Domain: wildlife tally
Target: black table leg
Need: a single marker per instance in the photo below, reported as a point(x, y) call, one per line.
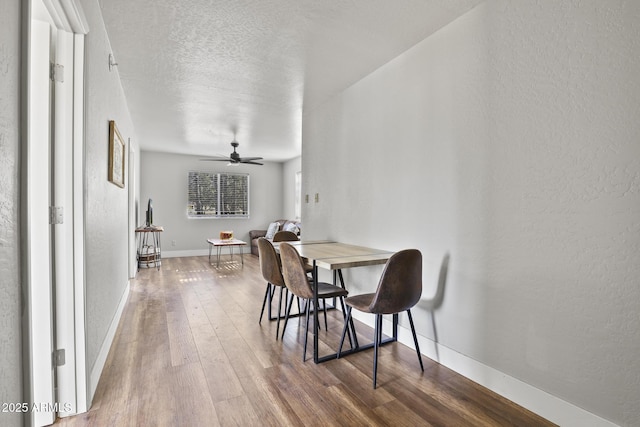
point(315, 312)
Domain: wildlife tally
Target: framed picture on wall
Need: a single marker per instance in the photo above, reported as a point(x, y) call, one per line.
point(116, 155)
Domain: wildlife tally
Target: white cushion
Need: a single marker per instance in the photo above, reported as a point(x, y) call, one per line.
point(292, 227)
point(272, 230)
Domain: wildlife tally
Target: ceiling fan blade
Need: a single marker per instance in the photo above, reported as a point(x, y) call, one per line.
point(234, 158)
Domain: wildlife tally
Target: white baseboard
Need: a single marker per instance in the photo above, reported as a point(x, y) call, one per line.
point(203, 252)
point(179, 254)
point(538, 401)
point(98, 366)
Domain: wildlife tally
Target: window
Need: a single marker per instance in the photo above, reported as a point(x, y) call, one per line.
point(298, 195)
point(218, 195)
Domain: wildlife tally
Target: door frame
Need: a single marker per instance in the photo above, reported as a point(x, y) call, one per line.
point(67, 19)
point(38, 384)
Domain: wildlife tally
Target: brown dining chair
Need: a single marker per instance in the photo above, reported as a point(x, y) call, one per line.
point(290, 236)
point(272, 273)
point(297, 282)
point(285, 236)
point(399, 289)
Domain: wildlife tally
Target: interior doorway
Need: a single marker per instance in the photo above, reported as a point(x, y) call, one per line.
point(53, 227)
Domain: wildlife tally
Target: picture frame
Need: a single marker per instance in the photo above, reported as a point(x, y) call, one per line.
point(116, 155)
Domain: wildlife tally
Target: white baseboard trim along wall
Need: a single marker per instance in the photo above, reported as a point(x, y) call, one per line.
point(179, 254)
point(538, 401)
point(98, 366)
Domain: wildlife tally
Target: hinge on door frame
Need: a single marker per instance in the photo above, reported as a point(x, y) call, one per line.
point(55, 215)
point(58, 357)
point(56, 72)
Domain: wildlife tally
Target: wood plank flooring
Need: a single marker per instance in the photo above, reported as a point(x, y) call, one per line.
point(189, 352)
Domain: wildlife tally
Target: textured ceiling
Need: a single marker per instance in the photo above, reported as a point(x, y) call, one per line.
point(197, 72)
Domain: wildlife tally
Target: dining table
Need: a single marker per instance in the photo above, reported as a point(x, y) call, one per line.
point(336, 256)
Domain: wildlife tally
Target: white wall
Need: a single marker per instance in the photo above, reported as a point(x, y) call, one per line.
point(291, 167)
point(10, 295)
point(164, 180)
point(106, 205)
point(509, 141)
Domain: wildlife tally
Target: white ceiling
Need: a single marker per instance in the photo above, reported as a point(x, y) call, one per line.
point(197, 72)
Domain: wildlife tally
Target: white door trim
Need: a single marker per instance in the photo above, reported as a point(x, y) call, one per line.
point(67, 15)
point(65, 21)
point(38, 328)
point(133, 257)
point(82, 388)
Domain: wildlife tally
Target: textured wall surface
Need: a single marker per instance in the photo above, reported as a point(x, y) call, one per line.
point(10, 322)
point(508, 140)
point(106, 205)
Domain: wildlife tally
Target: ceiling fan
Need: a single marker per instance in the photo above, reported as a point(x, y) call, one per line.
point(234, 158)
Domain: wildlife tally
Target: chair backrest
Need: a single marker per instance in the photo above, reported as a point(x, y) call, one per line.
point(285, 236)
point(293, 272)
point(400, 285)
point(269, 263)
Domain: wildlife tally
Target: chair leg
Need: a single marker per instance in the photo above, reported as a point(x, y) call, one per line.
point(415, 339)
point(272, 290)
point(376, 344)
point(315, 315)
point(279, 311)
point(344, 329)
point(286, 317)
point(267, 295)
point(286, 296)
point(306, 332)
point(353, 333)
point(324, 308)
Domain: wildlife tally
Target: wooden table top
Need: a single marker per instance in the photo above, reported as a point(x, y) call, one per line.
point(335, 255)
point(150, 229)
point(226, 242)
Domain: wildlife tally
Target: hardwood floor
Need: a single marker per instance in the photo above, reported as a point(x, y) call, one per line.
point(189, 352)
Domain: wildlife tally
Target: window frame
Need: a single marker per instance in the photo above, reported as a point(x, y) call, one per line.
point(297, 197)
point(216, 181)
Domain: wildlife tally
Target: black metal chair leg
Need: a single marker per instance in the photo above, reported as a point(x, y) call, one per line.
point(376, 344)
point(279, 311)
point(264, 301)
point(315, 315)
point(415, 339)
point(286, 295)
point(270, 301)
point(286, 317)
point(353, 332)
point(324, 308)
point(306, 333)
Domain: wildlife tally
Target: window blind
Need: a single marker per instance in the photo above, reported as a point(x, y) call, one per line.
point(217, 195)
